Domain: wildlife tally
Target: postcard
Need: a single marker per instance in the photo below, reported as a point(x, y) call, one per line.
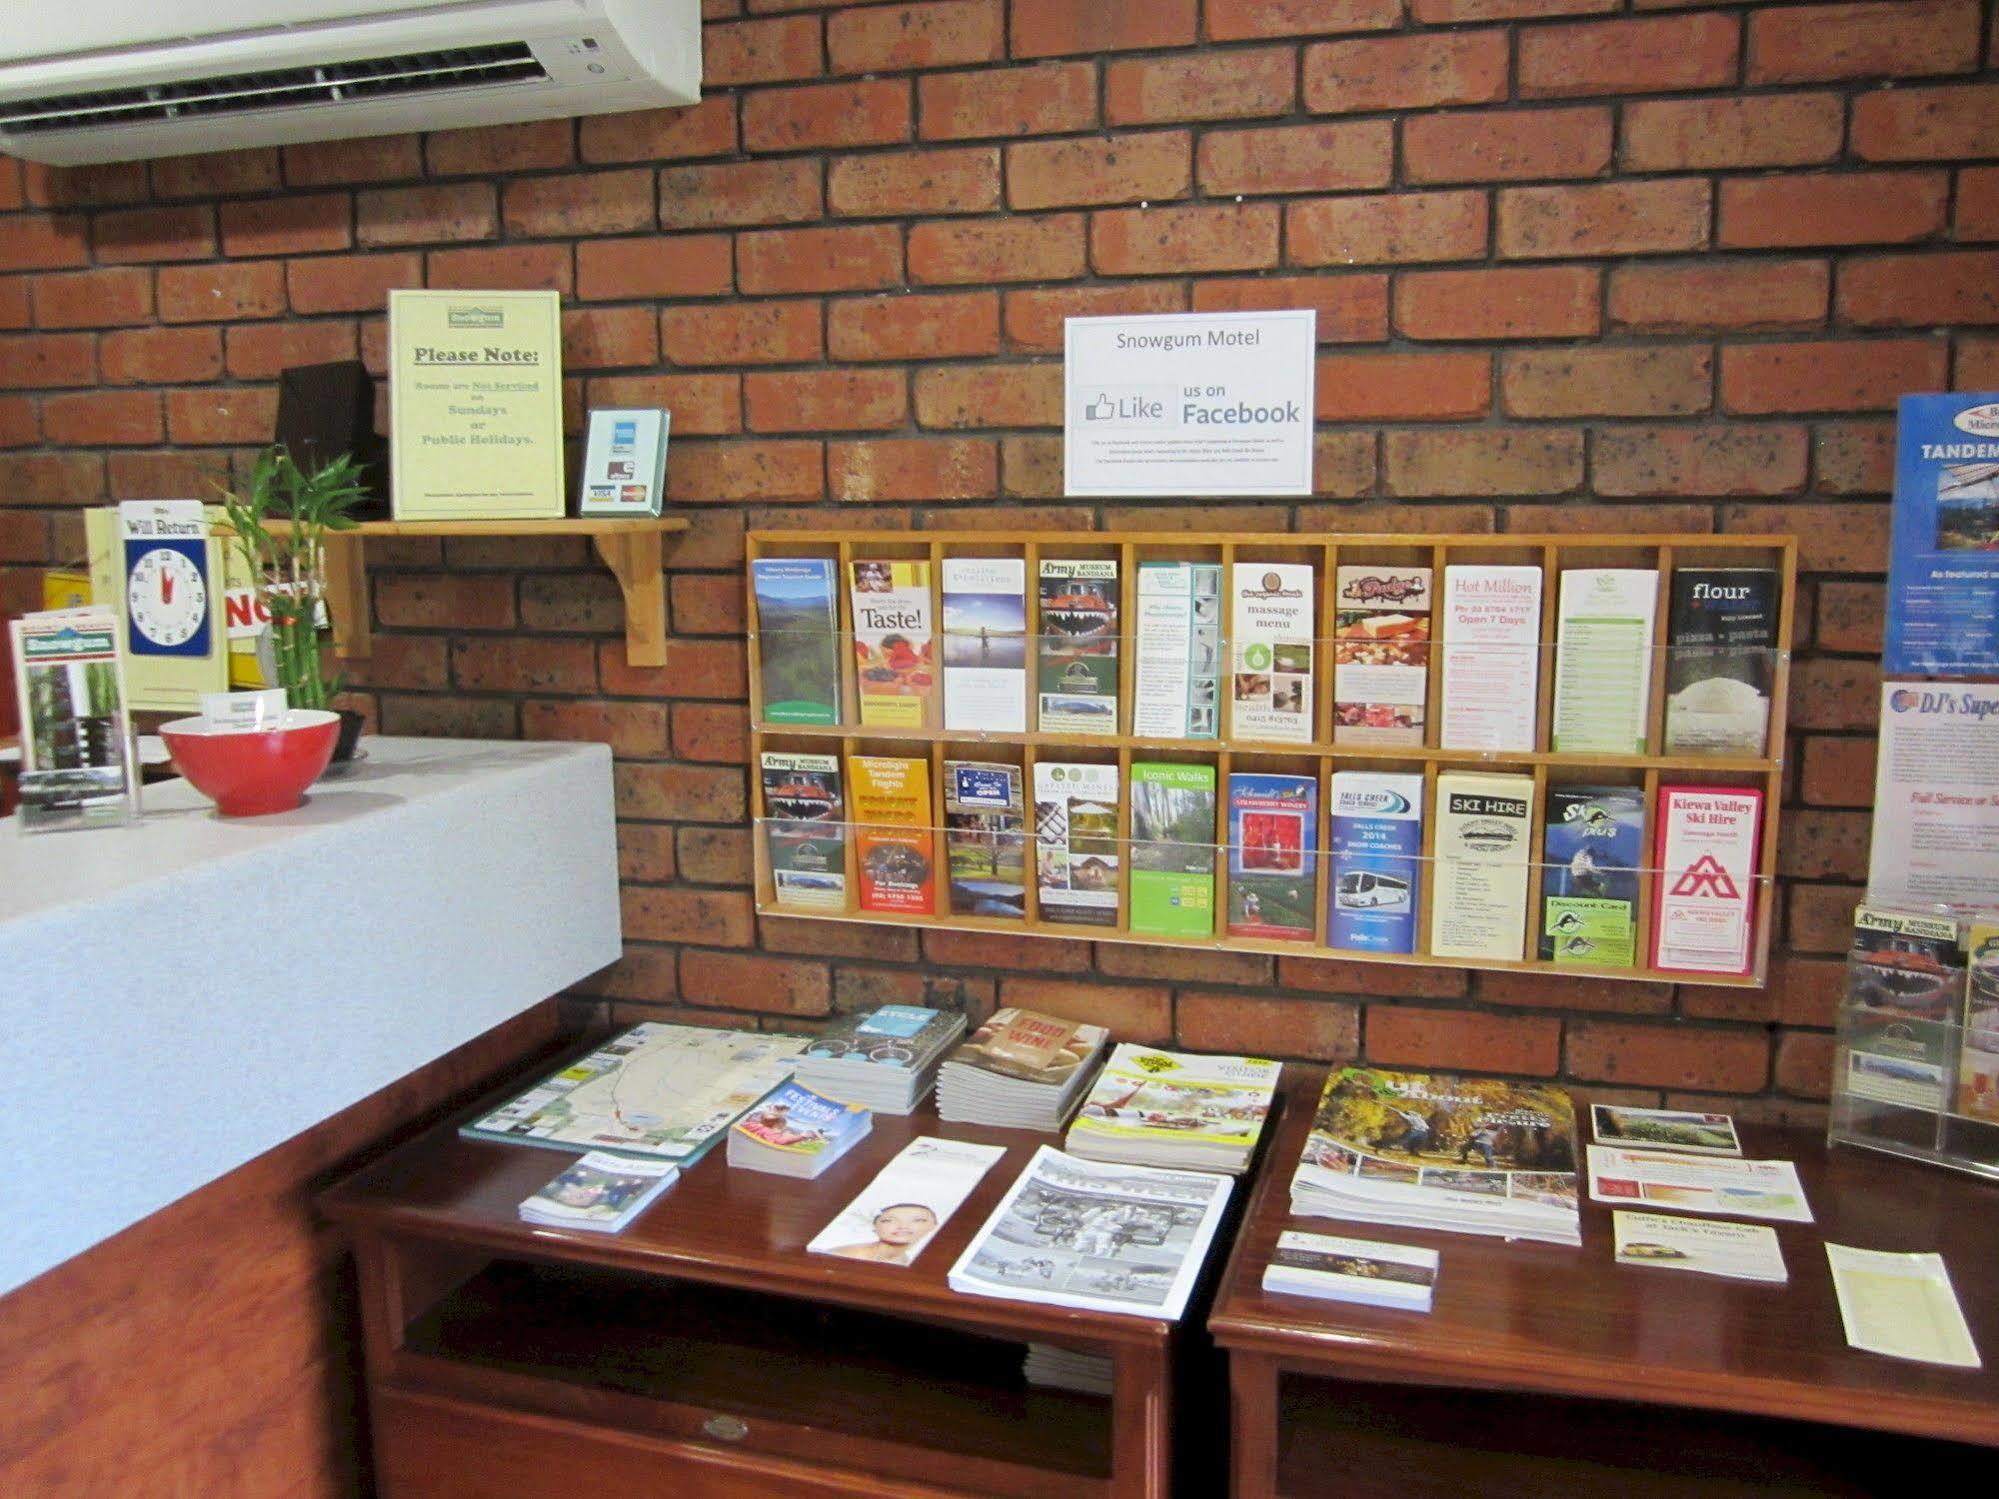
point(1665, 1129)
point(1740, 1251)
point(1697, 1184)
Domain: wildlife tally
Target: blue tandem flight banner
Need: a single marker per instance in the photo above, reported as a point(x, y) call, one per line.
point(1943, 569)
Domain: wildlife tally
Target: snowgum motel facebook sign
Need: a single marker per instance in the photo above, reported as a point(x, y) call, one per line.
point(1189, 404)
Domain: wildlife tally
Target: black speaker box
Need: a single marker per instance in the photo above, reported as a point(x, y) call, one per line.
point(325, 410)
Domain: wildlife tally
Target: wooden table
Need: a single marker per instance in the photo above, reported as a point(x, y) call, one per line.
point(1547, 1369)
point(702, 1353)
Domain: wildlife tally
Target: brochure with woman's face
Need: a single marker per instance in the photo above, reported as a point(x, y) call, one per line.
point(899, 1212)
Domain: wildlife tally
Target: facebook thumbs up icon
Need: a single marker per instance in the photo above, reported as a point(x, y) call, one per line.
point(1100, 410)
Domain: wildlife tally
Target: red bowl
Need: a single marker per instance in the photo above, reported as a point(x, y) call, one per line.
point(249, 772)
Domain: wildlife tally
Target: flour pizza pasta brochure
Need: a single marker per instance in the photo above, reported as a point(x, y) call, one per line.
point(898, 1213)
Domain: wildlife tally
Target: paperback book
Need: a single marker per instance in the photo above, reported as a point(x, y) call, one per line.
point(1076, 853)
point(985, 838)
point(600, 1192)
point(1381, 654)
point(985, 644)
point(798, 639)
point(1273, 856)
point(1377, 838)
point(1173, 850)
point(893, 660)
point(1168, 1108)
point(1603, 659)
point(1484, 836)
point(794, 1131)
point(1905, 980)
point(892, 834)
point(885, 1059)
point(898, 1213)
point(1176, 692)
point(1721, 656)
point(1076, 665)
point(1272, 621)
point(1704, 901)
point(1365, 1271)
point(78, 764)
point(1492, 657)
point(1593, 843)
point(805, 823)
point(1021, 1068)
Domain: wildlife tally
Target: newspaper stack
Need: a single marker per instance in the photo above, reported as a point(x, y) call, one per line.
point(1021, 1069)
point(885, 1060)
point(796, 1132)
point(601, 1192)
point(1055, 1368)
point(1167, 1108)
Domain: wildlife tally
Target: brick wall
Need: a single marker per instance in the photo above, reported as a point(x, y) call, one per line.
point(1644, 264)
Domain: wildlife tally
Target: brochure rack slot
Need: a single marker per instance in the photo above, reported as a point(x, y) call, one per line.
point(1649, 769)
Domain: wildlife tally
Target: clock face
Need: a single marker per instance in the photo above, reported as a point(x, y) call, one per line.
point(167, 597)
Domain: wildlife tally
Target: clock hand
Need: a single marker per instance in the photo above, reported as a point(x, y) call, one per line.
point(166, 587)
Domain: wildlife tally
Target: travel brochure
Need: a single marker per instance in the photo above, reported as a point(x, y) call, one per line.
point(1271, 627)
point(806, 828)
point(894, 665)
point(1483, 841)
point(1381, 655)
point(892, 834)
point(1376, 880)
point(1364, 1271)
point(1603, 660)
point(1169, 1108)
point(1697, 1184)
point(985, 644)
point(1273, 856)
point(1020, 1069)
point(78, 764)
point(1076, 855)
point(600, 1192)
point(884, 1059)
point(1593, 845)
point(985, 838)
point(1173, 850)
point(1704, 895)
point(798, 639)
point(795, 1131)
point(1943, 568)
point(1176, 687)
point(1491, 622)
point(898, 1213)
point(1076, 662)
point(1736, 1251)
point(1721, 660)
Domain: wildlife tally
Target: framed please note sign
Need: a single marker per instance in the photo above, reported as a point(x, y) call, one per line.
point(475, 391)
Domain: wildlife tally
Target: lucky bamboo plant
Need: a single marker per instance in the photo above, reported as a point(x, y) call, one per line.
point(279, 526)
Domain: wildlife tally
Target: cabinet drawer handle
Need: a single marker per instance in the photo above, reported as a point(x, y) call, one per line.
point(725, 1428)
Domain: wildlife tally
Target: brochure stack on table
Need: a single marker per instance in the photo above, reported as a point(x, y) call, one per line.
point(1164, 1108)
point(885, 1060)
point(1021, 1069)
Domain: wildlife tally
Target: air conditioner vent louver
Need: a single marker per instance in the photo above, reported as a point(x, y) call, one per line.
point(283, 88)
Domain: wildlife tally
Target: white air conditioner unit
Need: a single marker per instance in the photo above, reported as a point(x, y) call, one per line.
point(120, 80)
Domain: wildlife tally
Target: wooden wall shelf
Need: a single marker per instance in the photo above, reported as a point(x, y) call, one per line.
point(1552, 553)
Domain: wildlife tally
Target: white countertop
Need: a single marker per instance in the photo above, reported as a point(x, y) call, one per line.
point(182, 995)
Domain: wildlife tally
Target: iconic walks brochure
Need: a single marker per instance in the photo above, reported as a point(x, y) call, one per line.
point(1665, 1129)
point(659, 1090)
point(1020, 1069)
point(1176, 693)
point(1978, 1067)
point(1076, 660)
point(1076, 843)
point(624, 463)
point(1593, 844)
point(1603, 659)
point(1428, 1150)
point(1377, 836)
point(793, 1131)
point(1381, 654)
point(1721, 658)
point(1943, 567)
point(884, 1059)
point(1905, 979)
point(78, 768)
point(1901, 1305)
point(985, 644)
point(1273, 856)
point(1491, 627)
point(807, 828)
point(892, 833)
point(601, 1192)
point(1173, 850)
point(1271, 623)
point(898, 1213)
point(985, 838)
point(1169, 1108)
point(1484, 834)
point(1697, 1184)
point(1740, 1251)
point(1704, 906)
point(893, 660)
point(1361, 1270)
point(1096, 1236)
point(798, 639)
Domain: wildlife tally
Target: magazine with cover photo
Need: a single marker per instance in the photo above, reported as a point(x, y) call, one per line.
point(1169, 1108)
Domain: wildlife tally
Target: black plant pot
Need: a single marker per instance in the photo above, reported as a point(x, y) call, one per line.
point(350, 734)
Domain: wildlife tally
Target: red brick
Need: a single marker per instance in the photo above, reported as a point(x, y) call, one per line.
point(645, 849)
point(580, 204)
point(1977, 216)
point(1507, 145)
point(1648, 56)
point(506, 268)
point(1406, 72)
point(1841, 376)
point(381, 158)
point(838, 939)
point(1329, 157)
point(854, 257)
point(1387, 229)
point(161, 356)
point(1668, 1056)
point(912, 469)
point(1341, 976)
point(1756, 130)
point(91, 186)
point(1034, 317)
point(1134, 960)
point(427, 215)
point(821, 115)
point(94, 299)
point(719, 918)
point(821, 400)
point(288, 224)
point(1821, 845)
point(1233, 85)
point(1839, 772)
point(46, 361)
point(136, 476)
point(938, 34)
point(739, 192)
point(711, 472)
point(1505, 461)
point(702, 405)
point(1045, 99)
point(1351, 309)
point(1652, 381)
point(1132, 168)
point(682, 793)
point(1854, 457)
point(682, 265)
point(1707, 460)
point(1175, 241)
point(1848, 208)
point(1819, 918)
point(1922, 124)
point(1403, 387)
point(771, 51)
point(1453, 1040)
point(1804, 1063)
point(1900, 40)
point(1571, 518)
point(1702, 295)
point(43, 241)
point(738, 332)
point(24, 536)
point(1611, 218)
point(1799, 991)
point(152, 236)
point(946, 325)
point(1851, 538)
point(66, 479)
point(445, 601)
point(1320, 1030)
point(894, 184)
point(1246, 20)
point(744, 981)
point(1141, 1013)
point(103, 418)
point(1048, 248)
point(603, 338)
point(350, 283)
point(1977, 364)
point(246, 416)
point(1343, 463)
point(1050, 28)
point(1901, 291)
point(707, 604)
point(484, 149)
point(1514, 302)
point(704, 129)
point(501, 663)
point(1008, 395)
point(406, 661)
point(215, 174)
point(718, 732)
point(1445, 12)
point(1006, 951)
